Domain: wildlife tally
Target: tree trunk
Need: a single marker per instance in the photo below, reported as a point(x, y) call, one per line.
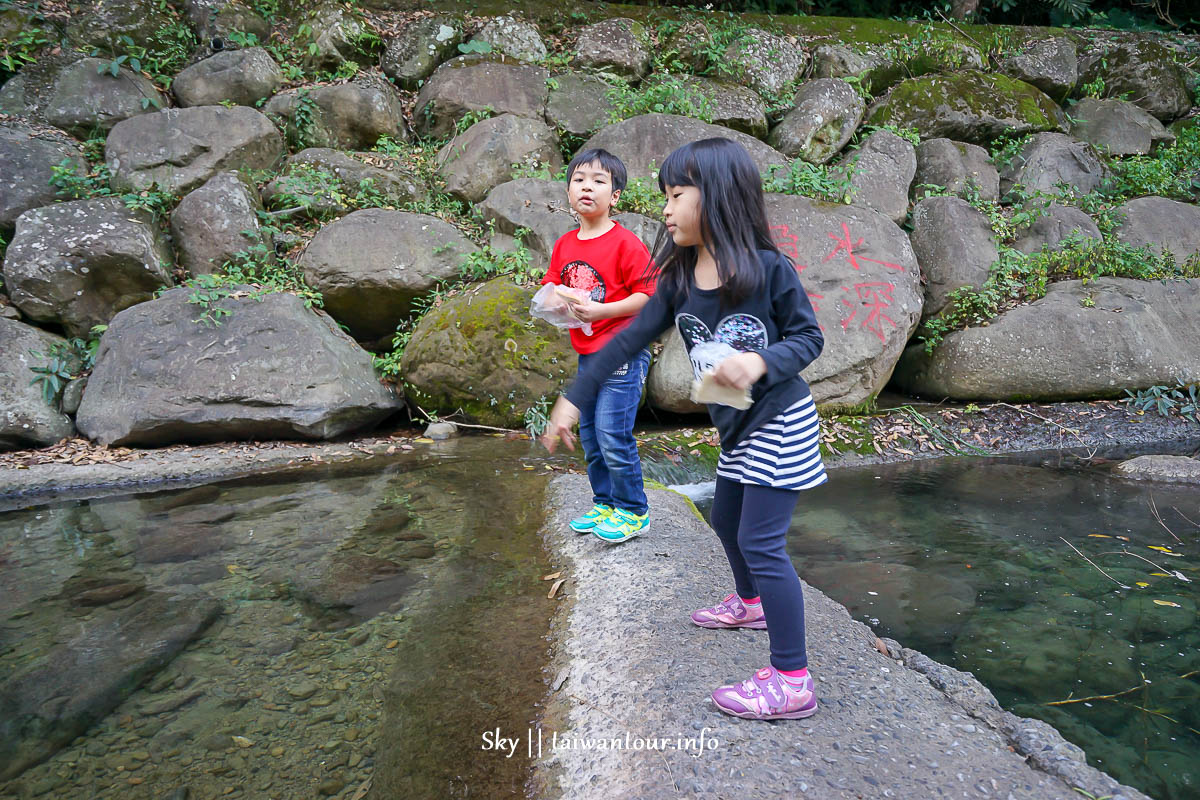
point(963, 9)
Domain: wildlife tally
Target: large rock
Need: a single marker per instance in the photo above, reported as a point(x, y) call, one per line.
point(349, 116)
point(468, 84)
point(688, 46)
point(1054, 226)
point(29, 155)
point(1163, 468)
point(512, 37)
point(332, 35)
point(619, 45)
point(767, 63)
point(539, 206)
point(214, 223)
point(272, 369)
point(578, 103)
point(1051, 65)
point(969, 106)
point(68, 672)
point(1117, 127)
point(880, 172)
point(371, 265)
point(324, 182)
point(1144, 70)
point(1050, 161)
point(180, 149)
point(219, 18)
point(649, 138)
point(103, 23)
point(414, 53)
point(959, 168)
point(481, 351)
point(77, 264)
point(826, 113)
point(1059, 348)
point(242, 77)
point(669, 382)
point(727, 104)
point(26, 419)
point(1164, 225)
point(483, 156)
point(874, 68)
point(954, 245)
point(85, 98)
point(862, 277)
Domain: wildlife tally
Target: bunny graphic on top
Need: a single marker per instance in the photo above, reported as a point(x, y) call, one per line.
point(737, 333)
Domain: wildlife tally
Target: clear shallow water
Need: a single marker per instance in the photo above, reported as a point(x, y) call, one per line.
point(965, 560)
point(352, 627)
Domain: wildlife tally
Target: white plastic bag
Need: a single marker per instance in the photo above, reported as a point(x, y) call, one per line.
point(550, 304)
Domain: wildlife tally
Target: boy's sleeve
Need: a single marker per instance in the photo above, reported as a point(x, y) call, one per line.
point(800, 337)
point(554, 271)
point(654, 318)
point(636, 263)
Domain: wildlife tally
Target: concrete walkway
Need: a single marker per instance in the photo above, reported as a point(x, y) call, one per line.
point(630, 667)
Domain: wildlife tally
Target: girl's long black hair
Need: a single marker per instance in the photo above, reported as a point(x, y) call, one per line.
point(733, 218)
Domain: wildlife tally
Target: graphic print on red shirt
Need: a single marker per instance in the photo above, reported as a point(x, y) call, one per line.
point(610, 267)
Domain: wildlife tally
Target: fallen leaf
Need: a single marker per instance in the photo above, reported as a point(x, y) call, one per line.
point(1099, 536)
point(554, 588)
point(1142, 584)
point(423, 440)
point(552, 576)
point(1167, 603)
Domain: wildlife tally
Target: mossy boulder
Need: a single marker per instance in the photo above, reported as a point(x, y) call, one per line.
point(578, 103)
point(824, 116)
point(1143, 69)
point(768, 64)
point(480, 351)
point(1051, 65)
point(102, 23)
point(621, 46)
point(968, 106)
point(414, 53)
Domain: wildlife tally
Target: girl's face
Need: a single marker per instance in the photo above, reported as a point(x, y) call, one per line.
point(682, 215)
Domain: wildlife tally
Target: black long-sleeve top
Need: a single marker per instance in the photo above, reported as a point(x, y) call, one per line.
point(777, 322)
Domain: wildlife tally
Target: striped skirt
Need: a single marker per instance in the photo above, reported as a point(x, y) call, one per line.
point(784, 453)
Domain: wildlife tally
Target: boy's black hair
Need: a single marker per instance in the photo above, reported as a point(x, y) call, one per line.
point(733, 218)
point(607, 161)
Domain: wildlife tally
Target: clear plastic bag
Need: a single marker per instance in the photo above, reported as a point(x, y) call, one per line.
point(550, 304)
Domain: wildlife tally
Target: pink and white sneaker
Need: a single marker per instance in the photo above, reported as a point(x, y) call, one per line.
point(767, 695)
point(730, 613)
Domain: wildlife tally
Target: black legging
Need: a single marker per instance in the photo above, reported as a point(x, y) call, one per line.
point(752, 522)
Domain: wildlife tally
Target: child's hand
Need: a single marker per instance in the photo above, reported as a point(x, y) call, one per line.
point(588, 311)
point(740, 371)
point(563, 417)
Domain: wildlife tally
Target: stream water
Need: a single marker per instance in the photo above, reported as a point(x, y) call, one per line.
point(352, 632)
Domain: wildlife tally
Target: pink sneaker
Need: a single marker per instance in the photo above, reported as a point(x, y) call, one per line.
point(766, 695)
point(730, 613)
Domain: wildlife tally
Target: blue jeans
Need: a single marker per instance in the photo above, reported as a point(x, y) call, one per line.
point(613, 466)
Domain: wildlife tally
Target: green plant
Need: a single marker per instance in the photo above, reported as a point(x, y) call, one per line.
point(810, 180)
point(668, 95)
point(22, 49)
point(310, 186)
point(388, 364)
point(471, 117)
point(487, 263)
point(910, 135)
point(65, 361)
point(304, 118)
point(71, 185)
point(1182, 399)
point(641, 196)
point(537, 417)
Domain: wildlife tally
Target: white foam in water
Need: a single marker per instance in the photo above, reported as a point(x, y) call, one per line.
point(696, 492)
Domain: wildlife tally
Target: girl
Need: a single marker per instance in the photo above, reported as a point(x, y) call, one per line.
point(739, 306)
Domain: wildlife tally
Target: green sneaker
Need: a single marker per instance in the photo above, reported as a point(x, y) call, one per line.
point(588, 522)
point(621, 525)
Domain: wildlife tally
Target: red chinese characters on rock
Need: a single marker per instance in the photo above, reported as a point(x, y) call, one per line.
point(872, 297)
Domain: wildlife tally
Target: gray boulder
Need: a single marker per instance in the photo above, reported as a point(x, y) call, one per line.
point(1049, 161)
point(322, 182)
point(335, 35)
point(482, 157)
point(1162, 225)
point(578, 103)
point(726, 104)
point(512, 37)
point(954, 245)
point(669, 382)
point(12, 97)
point(239, 76)
point(347, 116)
point(1061, 348)
point(619, 45)
point(370, 265)
point(29, 155)
point(180, 149)
point(688, 47)
point(26, 419)
point(880, 172)
point(1051, 65)
point(102, 23)
point(1117, 127)
point(1145, 70)
point(960, 168)
point(214, 223)
point(272, 369)
point(84, 99)
point(414, 53)
point(539, 206)
point(468, 84)
point(1161, 468)
point(77, 264)
point(768, 64)
point(874, 69)
point(862, 277)
point(219, 18)
point(826, 113)
point(968, 106)
point(1049, 230)
point(649, 138)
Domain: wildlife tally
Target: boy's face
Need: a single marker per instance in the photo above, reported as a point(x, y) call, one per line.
point(590, 192)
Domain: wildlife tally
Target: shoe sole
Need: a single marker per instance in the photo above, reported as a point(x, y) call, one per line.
point(625, 538)
point(581, 530)
point(758, 624)
point(803, 713)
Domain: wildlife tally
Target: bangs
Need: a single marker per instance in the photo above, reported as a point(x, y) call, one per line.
point(679, 169)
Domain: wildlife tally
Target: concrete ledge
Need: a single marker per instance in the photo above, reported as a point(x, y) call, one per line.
point(631, 668)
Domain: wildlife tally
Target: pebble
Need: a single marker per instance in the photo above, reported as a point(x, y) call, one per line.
point(303, 690)
point(331, 787)
point(277, 751)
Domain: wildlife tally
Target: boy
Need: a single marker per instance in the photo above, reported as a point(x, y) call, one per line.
point(610, 263)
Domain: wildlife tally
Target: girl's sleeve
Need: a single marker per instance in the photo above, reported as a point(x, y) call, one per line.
point(800, 337)
point(654, 318)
